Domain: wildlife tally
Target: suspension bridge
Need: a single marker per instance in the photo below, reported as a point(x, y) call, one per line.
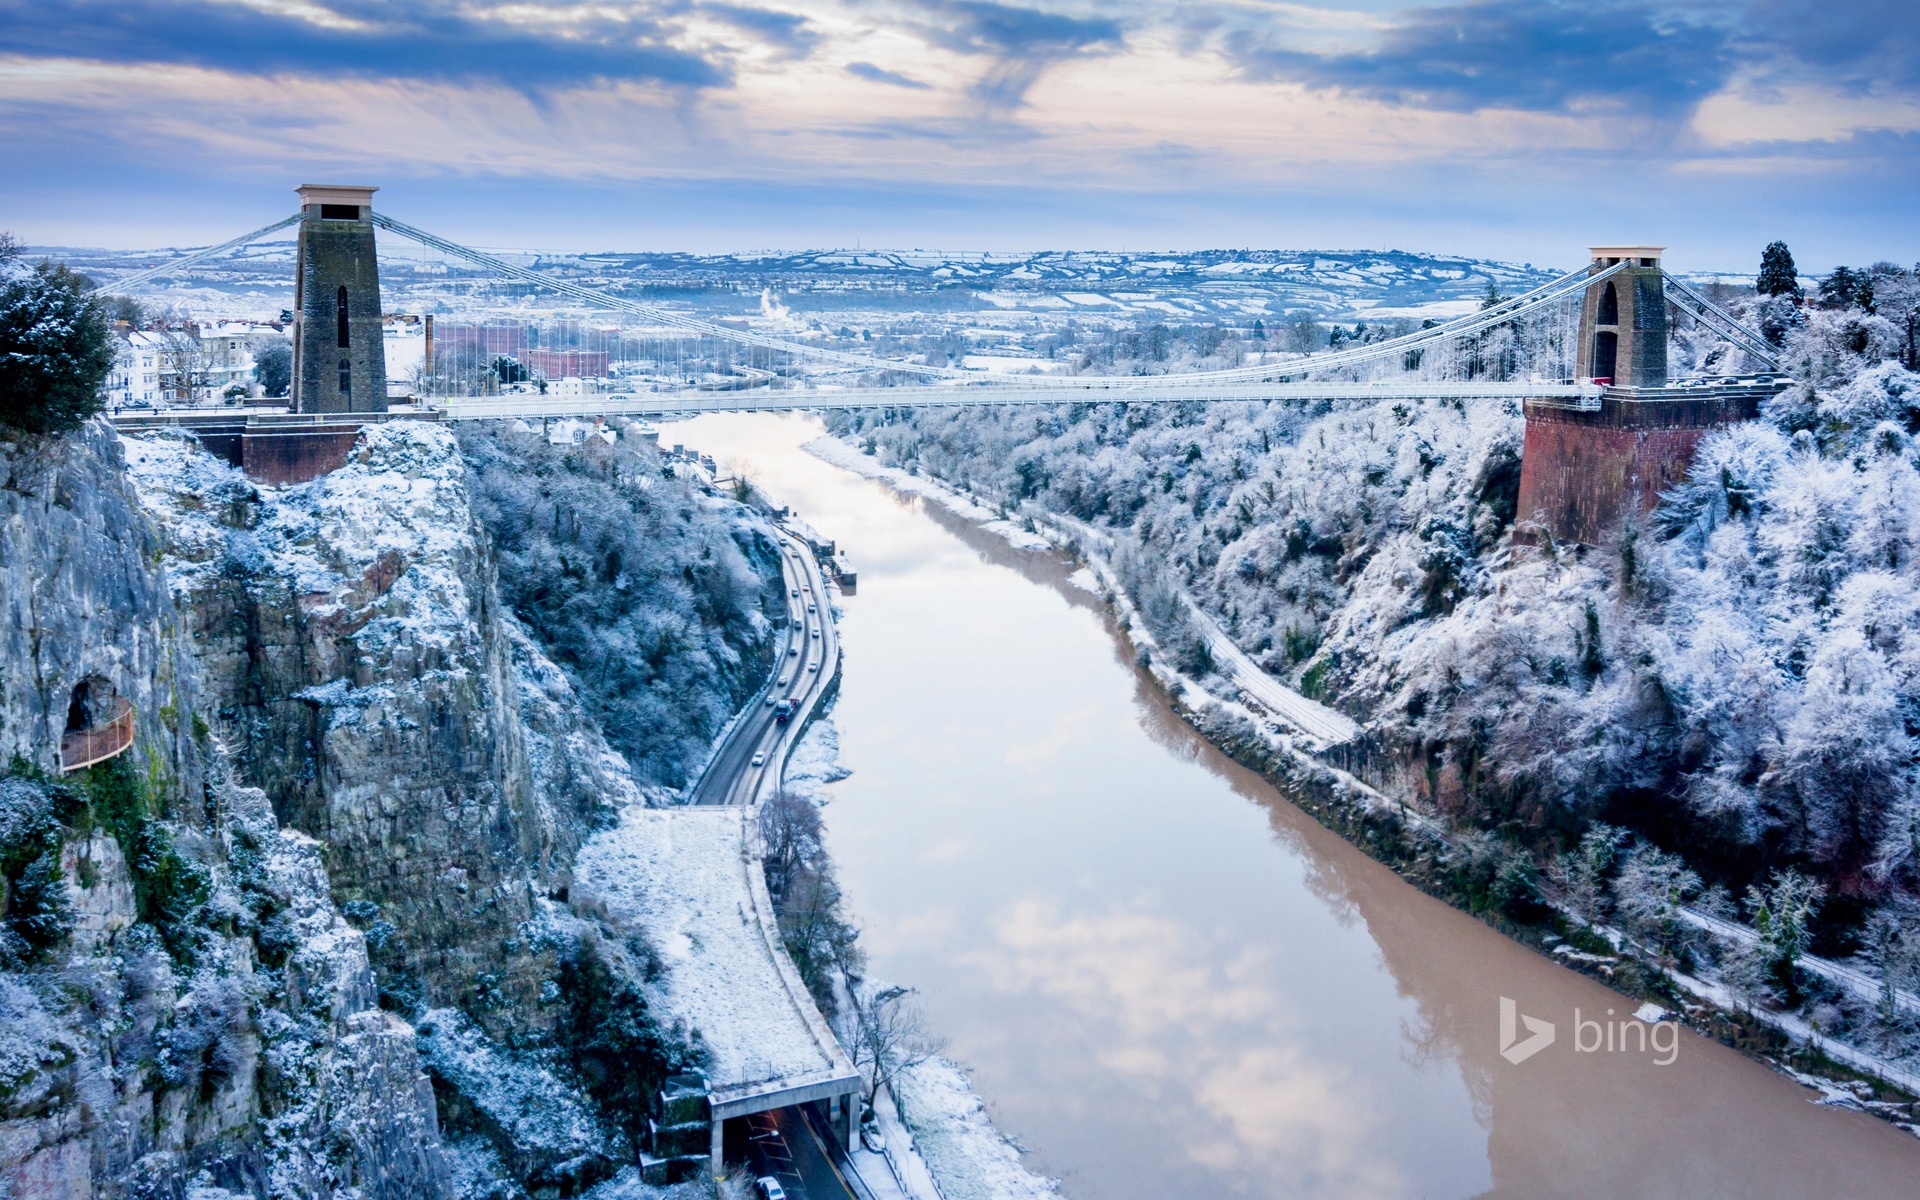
point(1612, 431)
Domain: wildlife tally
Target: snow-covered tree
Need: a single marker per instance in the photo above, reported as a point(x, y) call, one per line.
point(55, 352)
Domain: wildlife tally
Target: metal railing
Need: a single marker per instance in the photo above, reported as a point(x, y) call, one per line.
point(82, 748)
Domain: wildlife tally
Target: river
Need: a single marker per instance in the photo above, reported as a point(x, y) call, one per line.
point(1165, 979)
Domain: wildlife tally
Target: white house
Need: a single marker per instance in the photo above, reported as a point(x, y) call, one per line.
point(195, 363)
point(139, 361)
point(225, 358)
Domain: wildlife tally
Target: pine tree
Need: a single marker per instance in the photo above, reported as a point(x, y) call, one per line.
point(55, 350)
point(1777, 274)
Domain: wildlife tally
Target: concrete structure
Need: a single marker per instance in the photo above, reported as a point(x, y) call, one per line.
point(1587, 469)
point(691, 877)
point(281, 456)
point(272, 446)
point(339, 355)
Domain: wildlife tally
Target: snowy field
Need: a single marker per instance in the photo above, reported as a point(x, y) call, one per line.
point(682, 876)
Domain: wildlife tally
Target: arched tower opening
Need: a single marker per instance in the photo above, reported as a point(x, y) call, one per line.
point(1606, 354)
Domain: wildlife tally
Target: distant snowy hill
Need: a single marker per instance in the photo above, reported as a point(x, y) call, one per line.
point(1224, 286)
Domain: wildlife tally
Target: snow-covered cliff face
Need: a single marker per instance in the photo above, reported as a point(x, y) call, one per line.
point(356, 792)
point(356, 658)
point(180, 999)
point(81, 597)
point(355, 654)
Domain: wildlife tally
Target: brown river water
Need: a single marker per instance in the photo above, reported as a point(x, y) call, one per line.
point(1167, 981)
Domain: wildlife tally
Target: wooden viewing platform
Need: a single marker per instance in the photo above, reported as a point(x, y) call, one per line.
point(82, 748)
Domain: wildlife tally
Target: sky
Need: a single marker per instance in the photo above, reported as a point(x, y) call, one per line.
point(1514, 129)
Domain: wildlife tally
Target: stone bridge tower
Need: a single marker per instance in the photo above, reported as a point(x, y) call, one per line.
point(339, 353)
point(1587, 470)
point(1623, 324)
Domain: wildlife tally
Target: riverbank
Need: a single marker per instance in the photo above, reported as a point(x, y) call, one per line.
point(1420, 848)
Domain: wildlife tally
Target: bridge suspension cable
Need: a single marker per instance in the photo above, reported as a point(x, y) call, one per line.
point(655, 313)
point(1466, 326)
point(202, 254)
point(1721, 322)
point(1460, 327)
point(1501, 312)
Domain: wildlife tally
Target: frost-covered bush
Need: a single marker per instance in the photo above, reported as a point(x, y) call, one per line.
point(29, 1038)
point(37, 915)
point(526, 1108)
point(205, 1044)
point(1732, 687)
point(648, 593)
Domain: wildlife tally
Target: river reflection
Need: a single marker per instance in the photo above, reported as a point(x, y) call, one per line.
point(1166, 979)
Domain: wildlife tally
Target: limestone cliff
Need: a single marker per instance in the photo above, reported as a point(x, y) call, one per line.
point(181, 1000)
point(310, 935)
point(357, 660)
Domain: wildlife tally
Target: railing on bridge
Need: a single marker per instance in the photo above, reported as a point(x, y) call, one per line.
point(81, 748)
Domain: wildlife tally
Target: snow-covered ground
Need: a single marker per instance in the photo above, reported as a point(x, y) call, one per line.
point(685, 877)
point(815, 762)
point(969, 1158)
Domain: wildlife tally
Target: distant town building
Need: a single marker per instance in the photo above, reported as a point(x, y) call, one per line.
point(489, 339)
point(404, 339)
point(138, 369)
point(559, 364)
point(226, 351)
point(191, 363)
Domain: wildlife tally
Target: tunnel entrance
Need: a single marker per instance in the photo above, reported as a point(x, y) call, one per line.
point(99, 724)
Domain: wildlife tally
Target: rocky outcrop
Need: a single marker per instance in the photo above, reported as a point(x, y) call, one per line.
point(82, 598)
point(182, 1001)
point(355, 794)
point(357, 660)
point(355, 655)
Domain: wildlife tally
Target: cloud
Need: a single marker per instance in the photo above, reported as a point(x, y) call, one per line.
point(428, 39)
point(1024, 42)
point(1528, 55)
point(790, 33)
point(1860, 45)
point(873, 74)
